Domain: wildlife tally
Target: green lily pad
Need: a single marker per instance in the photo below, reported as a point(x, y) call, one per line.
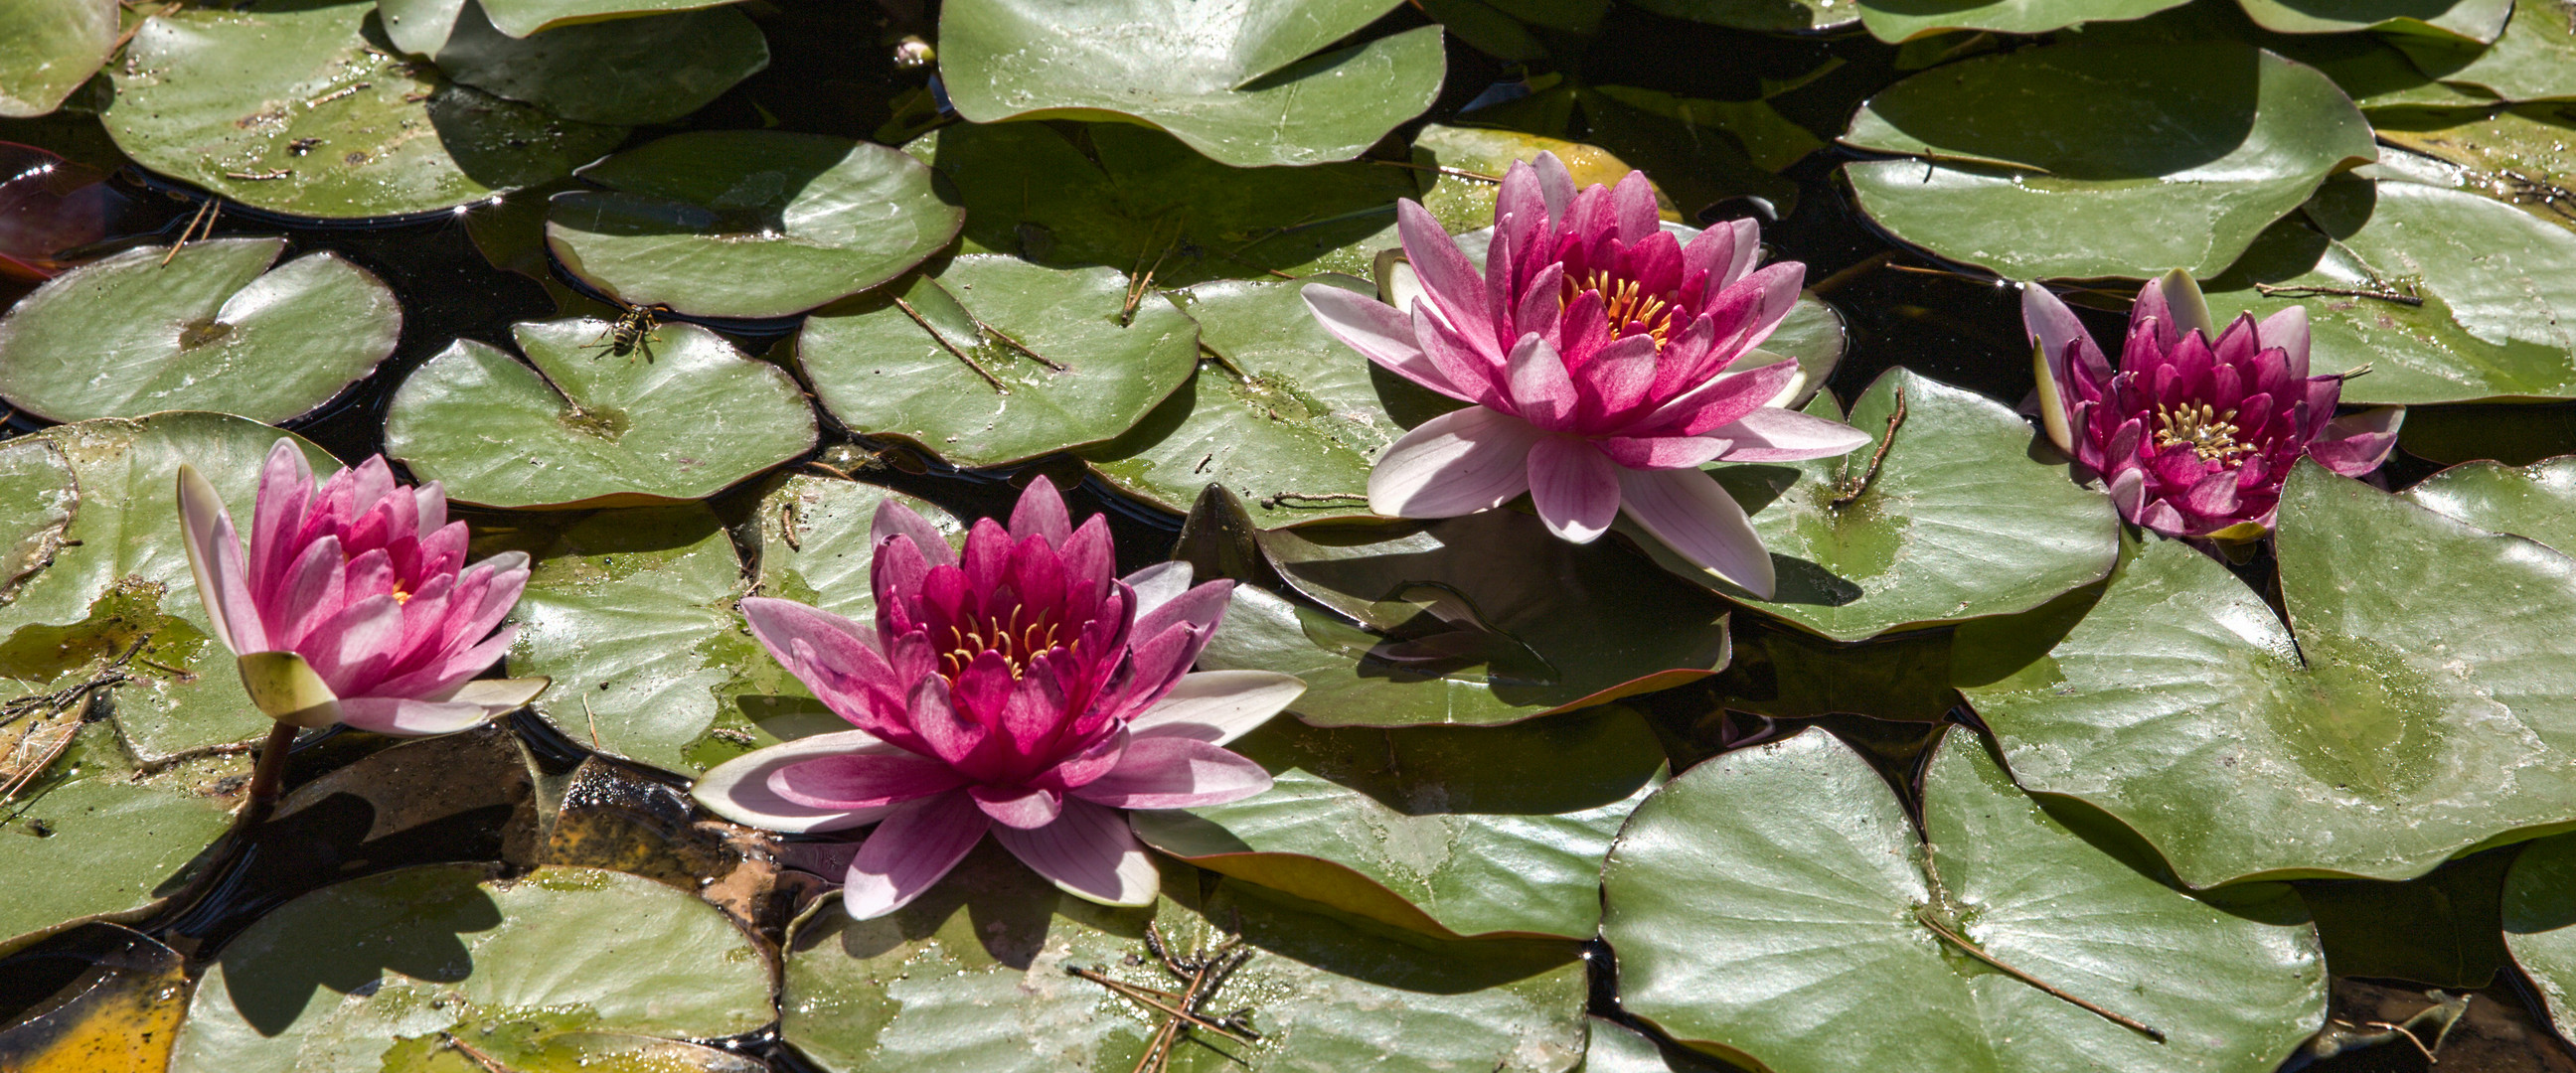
point(1617, 1048)
point(2534, 59)
point(1785, 879)
point(2439, 929)
point(975, 975)
point(2469, 20)
point(749, 223)
point(1966, 518)
point(586, 72)
point(109, 843)
point(1460, 621)
point(1246, 84)
point(814, 549)
point(213, 329)
point(2497, 291)
point(519, 18)
point(1139, 201)
point(1896, 21)
point(991, 360)
point(396, 970)
point(682, 418)
point(1465, 204)
point(118, 574)
point(304, 109)
point(1279, 412)
point(2540, 923)
point(1766, 15)
point(631, 612)
point(2412, 711)
point(2536, 501)
point(37, 495)
point(2513, 154)
point(48, 49)
point(1450, 831)
point(2067, 187)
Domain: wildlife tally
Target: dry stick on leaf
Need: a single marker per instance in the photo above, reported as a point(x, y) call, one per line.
point(1850, 488)
point(944, 344)
point(83, 694)
point(1203, 972)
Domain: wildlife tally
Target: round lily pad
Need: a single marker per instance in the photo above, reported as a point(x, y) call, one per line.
point(2513, 154)
point(48, 49)
point(110, 843)
point(1247, 84)
point(397, 968)
point(1139, 201)
point(1449, 831)
point(588, 71)
point(1767, 901)
point(2468, 20)
point(683, 417)
point(2540, 923)
point(1897, 21)
point(749, 223)
point(212, 329)
point(978, 974)
point(37, 495)
point(1963, 519)
point(2534, 59)
point(1465, 204)
point(992, 360)
point(2412, 709)
point(1279, 412)
point(1463, 620)
point(2032, 163)
point(295, 108)
point(2446, 295)
point(631, 612)
point(519, 18)
point(1766, 15)
point(2536, 501)
point(116, 574)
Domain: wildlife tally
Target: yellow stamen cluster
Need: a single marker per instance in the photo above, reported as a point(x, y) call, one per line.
point(2210, 434)
point(1016, 643)
point(1625, 305)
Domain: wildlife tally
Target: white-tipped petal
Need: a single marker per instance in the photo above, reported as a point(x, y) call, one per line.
point(1691, 514)
point(1218, 706)
point(1457, 463)
point(501, 696)
point(1089, 853)
point(738, 789)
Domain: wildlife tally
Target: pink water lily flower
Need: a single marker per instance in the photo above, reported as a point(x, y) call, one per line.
point(2194, 437)
point(1018, 689)
point(355, 605)
point(1607, 362)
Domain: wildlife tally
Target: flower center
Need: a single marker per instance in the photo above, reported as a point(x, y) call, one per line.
point(2209, 434)
point(1007, 637)
point(1631, 311)
point(401, 595)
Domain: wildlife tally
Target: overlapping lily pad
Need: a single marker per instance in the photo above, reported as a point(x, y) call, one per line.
point(975, 975)
point(2536, 501)
point(2476, 21)
point(430, 966)
point(296, 109)
point(1769, 15)
point(2513, 154)
point(1479, 620)
point(2411, 711)
point(1247, 84)
point(1965, 518)
point(110, 844)
point(590, 72)
point(48, 49)
point(1141, 202)
point(992, 360)
point(115, 572)
point(519, 18)
point(1897, 21)
point(212, 329)
point(1767, 901)
point(681, 418)
point(2540, 923)
point(1279, 412)
point(2070, 187)
point(2534, 59)
point(1450, 831)
point(631, 612)
point(1464, 203)
point(2447, 296)
point(748, 223)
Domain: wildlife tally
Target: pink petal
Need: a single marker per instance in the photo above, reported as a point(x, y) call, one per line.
point(2287, 330)
point(1540, 387)
point(351, 647)
point(1202, 606)
point(1748, 252)
point(215, 557)
point(857, 681)
point(1457, 463)
point(1720, 402)
point(911, 851)
point(739, 789)
point(1157, 585)
point(1663, 452)
point(849, 782)
point(1772, 434)
point(1040, 513)
point(1780, 284)
point(1380, 332)
point(1575, 488)
point(1089, 853)
point(894, 519)
point(1217, 706)
point(1018, 807)
point(285, 493)
point(1691, 514)
point(2357, 444)
point(1713, 252)
point(1632, 202)
point(1456, 289)
point(405, 717)
point(1555, 184)
point(1175, 772)
point(1470, 374)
